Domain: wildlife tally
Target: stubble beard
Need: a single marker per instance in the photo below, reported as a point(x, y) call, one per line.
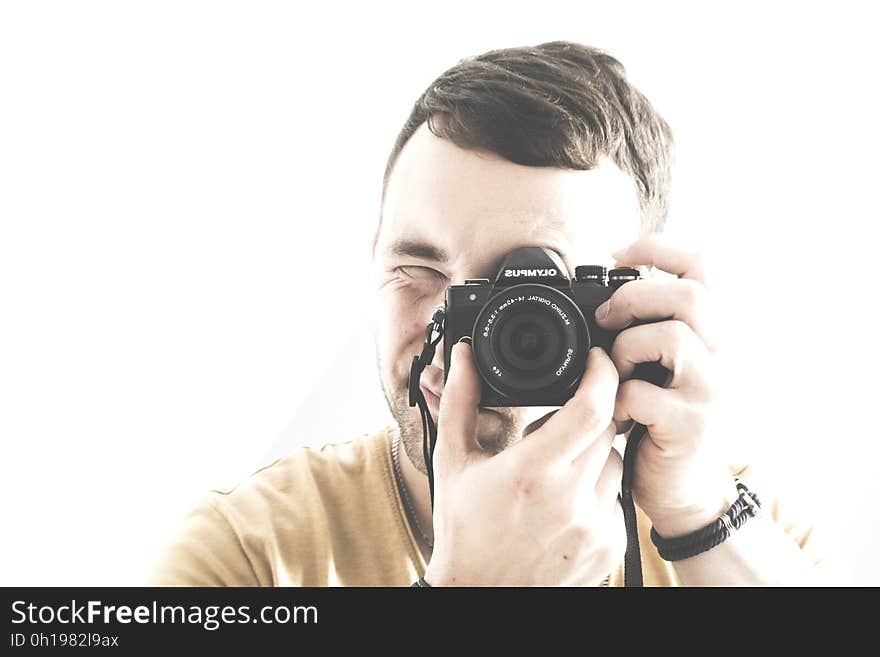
point(496, 430)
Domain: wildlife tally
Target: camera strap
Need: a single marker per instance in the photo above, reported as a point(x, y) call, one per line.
point(433, 333)
point(652, 372)
point(632, 559)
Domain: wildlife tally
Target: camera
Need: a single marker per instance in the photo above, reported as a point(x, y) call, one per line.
point(532, 328)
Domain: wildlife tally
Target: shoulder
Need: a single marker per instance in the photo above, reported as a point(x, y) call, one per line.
point(233, 535)
point(291, 482)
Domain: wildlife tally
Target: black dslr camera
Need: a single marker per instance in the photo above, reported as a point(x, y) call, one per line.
point(531, 330)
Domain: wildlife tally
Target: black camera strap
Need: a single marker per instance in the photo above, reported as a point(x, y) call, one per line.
point(632, 564)
point(632, 560)
point(433, 333)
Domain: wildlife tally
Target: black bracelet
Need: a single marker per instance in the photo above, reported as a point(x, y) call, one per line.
point(746, 506)
point(420, 583)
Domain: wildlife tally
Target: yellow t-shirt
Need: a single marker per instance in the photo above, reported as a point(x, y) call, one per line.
point(333, 516)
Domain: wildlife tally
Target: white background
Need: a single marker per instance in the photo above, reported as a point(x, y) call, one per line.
point(187, 196)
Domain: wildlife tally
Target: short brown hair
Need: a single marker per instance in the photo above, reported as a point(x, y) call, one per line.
point(558, 104)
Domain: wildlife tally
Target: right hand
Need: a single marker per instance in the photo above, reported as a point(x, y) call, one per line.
point(543, 512)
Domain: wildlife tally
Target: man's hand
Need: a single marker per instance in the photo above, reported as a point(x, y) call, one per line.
point(545, 511)
point(681, 481)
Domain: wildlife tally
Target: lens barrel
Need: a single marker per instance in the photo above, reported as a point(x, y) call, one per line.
point(530, 342)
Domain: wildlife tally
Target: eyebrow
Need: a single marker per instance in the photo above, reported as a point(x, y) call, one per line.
point(417, 249)
point(426, 251)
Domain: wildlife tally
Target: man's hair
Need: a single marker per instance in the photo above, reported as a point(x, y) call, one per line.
point(558, 104)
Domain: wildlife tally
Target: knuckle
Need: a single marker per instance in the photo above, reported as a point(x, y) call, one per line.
point(678, 333)
point(693, 292)
point(592, 417)
point(707, 390)
point(526, 485)
point(620, 345)
point(587, 410)
point(619, 301)
point(697, 420)
point(700, 265)
point(627, 391)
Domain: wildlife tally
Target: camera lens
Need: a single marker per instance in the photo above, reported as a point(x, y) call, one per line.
point(530, 342)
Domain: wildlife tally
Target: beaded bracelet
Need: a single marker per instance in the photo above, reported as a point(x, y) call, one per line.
point(746, 506)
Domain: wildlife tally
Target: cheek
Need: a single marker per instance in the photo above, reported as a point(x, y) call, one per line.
point(400, 326)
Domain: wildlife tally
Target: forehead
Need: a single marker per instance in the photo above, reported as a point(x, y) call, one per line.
point(477, 206)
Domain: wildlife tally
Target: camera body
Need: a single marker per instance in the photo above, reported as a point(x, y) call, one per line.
point(531, 329)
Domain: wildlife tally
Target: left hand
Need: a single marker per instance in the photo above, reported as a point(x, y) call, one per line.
point(681, 480)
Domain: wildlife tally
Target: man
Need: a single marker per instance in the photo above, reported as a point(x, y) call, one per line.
point(545, 146)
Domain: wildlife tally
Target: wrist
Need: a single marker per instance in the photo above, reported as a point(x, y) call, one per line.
point(688, 518)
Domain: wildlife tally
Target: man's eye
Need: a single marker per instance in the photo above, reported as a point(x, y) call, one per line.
point(421, 273)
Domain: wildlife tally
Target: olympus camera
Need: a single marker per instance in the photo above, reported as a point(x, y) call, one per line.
point(531, 328)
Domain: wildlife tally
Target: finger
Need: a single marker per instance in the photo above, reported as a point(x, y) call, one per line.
point(673, 344)
point(667, 415)
point(608, 484)
point(657, 251)
point(589, 464)
point(459, 407)
point(622, 426)
point(582, 419)
point(659, 299)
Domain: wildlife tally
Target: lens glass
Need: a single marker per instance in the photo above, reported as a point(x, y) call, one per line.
point(529, 341)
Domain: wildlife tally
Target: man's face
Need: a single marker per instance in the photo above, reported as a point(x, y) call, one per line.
point(452, 214)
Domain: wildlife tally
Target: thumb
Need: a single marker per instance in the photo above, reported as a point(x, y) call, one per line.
point(459, 406)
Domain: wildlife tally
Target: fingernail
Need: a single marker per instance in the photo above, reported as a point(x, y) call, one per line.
point(603, 310)
point(593, 355)
point(456, 353)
